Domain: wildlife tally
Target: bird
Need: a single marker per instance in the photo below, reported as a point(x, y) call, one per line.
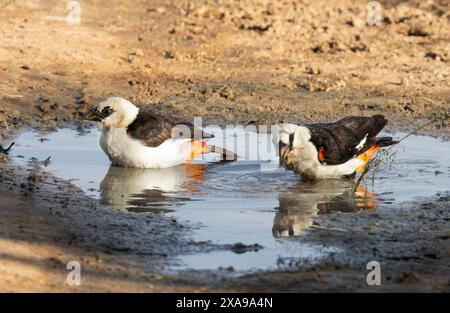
point(143, 138)
point(330, 150)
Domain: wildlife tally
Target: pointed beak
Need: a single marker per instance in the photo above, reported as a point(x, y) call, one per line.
point(283, 149)
point(94, 115)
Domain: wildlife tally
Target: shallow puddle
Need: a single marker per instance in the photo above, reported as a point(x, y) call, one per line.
point(249, 202)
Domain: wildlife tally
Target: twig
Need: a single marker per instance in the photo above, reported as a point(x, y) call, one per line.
point(47, 161)
point(417, 129)
point(363, 174)
point(328, 228)
point(5, 151)
point(368, 165)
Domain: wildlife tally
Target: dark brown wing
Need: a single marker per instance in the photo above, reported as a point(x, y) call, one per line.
point(153, 129)
point(339, 140)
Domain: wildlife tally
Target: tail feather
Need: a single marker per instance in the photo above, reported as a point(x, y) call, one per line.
point(197, 147)
point(380, 142)
point(200, 147)
point(227, 155)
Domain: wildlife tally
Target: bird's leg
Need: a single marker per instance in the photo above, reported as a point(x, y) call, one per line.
point(5, 151)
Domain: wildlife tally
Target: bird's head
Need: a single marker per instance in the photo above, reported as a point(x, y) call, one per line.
point(290, 138)
point(114, 112)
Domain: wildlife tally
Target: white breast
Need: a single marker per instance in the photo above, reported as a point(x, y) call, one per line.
point(305, 162)
point(125, 151)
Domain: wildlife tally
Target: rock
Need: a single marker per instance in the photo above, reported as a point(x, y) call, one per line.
point(44, 99)
point(206, 90)
point(137, 52)
point(242, 248)
point(202, 11)
point(431, 55)
point(169, 55)
point(313, 70)
point(227, 93)
point(44, 107)
point(160, 10)
point(359, 48)
point(356, 22)
point(60, 73)
point(260, 28)
point(409, 278)
point(394, 80)
point(418, 31)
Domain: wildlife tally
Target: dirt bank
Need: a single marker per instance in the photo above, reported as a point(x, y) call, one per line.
point(308, 60)
point(47, 222)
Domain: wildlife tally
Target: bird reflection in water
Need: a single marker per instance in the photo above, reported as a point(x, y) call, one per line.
point(159, 190)
point(300, 204)
point(145, 190)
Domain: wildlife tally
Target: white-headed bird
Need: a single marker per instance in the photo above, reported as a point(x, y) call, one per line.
point(142, 138)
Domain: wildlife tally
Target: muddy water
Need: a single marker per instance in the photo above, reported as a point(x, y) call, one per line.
point(250, 201)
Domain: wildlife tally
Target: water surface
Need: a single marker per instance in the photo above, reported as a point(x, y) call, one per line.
point(248, 201)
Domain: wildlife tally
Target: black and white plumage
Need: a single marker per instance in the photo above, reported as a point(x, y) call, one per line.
point(153, 129)
point(331, 150)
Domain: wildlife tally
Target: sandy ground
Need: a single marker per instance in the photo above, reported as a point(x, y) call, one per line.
point(307, 60)
point(227, 61)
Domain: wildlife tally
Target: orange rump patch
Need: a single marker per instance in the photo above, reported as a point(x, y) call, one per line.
point(197, 147)
point(321, 154)
point(366, 156)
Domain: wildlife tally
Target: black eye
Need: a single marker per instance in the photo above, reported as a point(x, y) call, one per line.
point(107, 111)
point(291, 139)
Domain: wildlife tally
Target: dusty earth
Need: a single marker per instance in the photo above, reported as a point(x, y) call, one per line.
point(228, 61)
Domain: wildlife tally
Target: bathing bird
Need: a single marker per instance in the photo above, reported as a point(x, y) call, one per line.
point(331, 150)
point(142, 138)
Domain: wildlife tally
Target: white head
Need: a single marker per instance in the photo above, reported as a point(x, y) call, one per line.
point(291, 137)
point(114, 112)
